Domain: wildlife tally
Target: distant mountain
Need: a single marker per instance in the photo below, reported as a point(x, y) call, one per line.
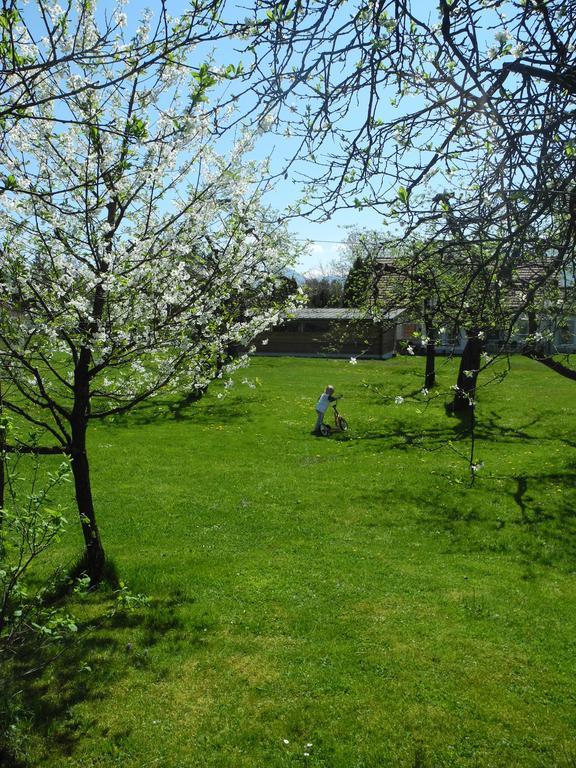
point(312, 274)
point(298, 276)
point(334, 278)
point(317, 274)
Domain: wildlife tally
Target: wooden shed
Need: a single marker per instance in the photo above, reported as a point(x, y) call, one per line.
point(331, 332)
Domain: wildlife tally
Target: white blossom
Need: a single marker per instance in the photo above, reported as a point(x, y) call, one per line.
point(502, 36)
point(169, 307)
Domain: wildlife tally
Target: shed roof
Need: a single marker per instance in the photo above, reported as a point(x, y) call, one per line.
point(337, 313)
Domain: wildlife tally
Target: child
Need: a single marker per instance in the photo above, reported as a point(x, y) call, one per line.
point(322, 405)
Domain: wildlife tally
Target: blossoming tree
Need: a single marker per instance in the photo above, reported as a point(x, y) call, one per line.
point(134, 258)
point(454, 119)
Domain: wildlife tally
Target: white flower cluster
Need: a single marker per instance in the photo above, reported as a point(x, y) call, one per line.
point(120, 18)
point(161, 297)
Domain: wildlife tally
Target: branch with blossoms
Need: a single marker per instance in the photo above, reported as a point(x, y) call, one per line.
point(51, 54)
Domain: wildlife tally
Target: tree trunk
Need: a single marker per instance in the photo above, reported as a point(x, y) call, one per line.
point(95, 556)
point(2, 473)
point(430, 374)
point(466, 384)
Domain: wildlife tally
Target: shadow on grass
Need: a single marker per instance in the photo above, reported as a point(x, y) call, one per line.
point(50, 683)
point(532, 509)
point(531, 512)
point(530, 517)
point(458, 427)
point(189, 408)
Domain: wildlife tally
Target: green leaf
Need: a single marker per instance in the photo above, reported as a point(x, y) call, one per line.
point(403, 195)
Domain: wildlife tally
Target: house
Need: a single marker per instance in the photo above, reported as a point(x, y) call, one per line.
point(559, 333)
point(331, 332)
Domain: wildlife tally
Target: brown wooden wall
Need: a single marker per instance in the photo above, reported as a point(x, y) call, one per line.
point(328, 338)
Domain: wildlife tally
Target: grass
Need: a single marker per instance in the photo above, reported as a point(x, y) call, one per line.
point(348, 602)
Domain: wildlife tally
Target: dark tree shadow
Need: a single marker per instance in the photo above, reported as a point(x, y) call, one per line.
point(542, 532)
point(50, 682)
point(532, 512)
point(400, 436)
point(188, 408)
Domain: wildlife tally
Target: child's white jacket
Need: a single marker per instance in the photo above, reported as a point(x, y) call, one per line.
point(324, 402)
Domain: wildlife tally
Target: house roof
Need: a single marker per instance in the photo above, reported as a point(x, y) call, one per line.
point(526, 278)
point(391, 286)
point(394, 286)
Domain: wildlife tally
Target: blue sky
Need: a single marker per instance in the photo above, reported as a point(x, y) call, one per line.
point(326, 237)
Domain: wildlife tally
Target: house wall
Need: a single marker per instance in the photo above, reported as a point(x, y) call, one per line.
point(563, 339)
point(328, 338)
point(448, 342)
point(560, 338)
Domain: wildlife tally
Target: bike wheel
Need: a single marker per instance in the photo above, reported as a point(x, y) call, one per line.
point(342, 423)
point(325, 430)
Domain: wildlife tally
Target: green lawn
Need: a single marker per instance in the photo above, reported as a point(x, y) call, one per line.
point(348, 602)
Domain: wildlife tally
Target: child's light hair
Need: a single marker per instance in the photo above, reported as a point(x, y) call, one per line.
point(329, 389)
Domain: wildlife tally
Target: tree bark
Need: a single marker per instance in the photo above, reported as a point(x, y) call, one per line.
point(95, 556)
point(466, 384)
point(430, 374)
